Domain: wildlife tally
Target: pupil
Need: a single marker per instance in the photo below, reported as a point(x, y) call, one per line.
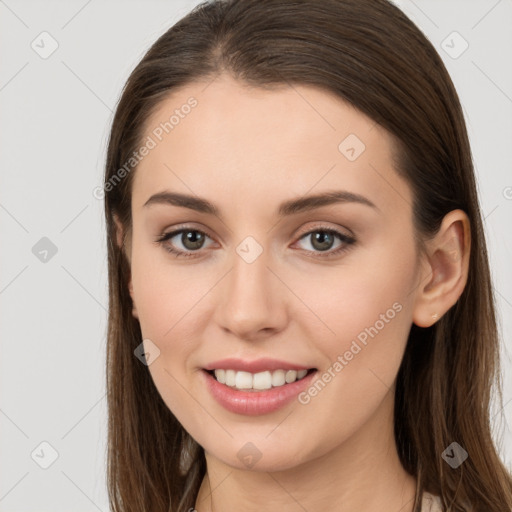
point(321, 237)
point(192, 239)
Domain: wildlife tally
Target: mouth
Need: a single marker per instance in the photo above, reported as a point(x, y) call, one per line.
point(258, 382)
point(258, 386)
point(260, 393)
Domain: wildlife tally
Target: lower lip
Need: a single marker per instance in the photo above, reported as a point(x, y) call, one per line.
point(254, 403)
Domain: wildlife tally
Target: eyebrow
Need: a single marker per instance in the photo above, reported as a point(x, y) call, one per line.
point(290, 207)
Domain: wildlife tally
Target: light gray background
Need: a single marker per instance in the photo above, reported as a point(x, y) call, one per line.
point(55, 117)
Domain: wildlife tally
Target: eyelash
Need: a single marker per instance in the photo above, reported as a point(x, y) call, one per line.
point(348, 241)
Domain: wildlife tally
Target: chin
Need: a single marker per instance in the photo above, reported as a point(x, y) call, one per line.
point(258, 456)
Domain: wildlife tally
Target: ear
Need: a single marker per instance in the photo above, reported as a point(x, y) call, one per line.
point(120, 240)
point(445, 269)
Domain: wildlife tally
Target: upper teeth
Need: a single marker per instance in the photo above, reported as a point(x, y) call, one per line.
point(262, 380)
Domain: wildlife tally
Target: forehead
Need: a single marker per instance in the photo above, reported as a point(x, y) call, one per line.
point(247, 144)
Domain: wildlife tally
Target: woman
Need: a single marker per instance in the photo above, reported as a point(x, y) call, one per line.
point(301, 313)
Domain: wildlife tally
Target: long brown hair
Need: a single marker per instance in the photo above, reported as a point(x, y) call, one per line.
point(371, 55)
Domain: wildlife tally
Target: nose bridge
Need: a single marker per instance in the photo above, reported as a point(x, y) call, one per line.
point(250, 272)
point(253, 300)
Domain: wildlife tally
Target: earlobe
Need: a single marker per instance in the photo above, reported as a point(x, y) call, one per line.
point(446, 269)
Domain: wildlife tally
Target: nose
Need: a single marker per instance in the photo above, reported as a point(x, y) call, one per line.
point(254, 301)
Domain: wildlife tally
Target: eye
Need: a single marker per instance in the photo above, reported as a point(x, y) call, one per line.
point(192, 240)
point(322, 240)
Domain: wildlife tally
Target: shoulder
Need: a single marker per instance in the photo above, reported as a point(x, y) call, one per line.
point(431, 503)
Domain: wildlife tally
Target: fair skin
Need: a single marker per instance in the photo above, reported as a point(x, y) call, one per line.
point(247, 150)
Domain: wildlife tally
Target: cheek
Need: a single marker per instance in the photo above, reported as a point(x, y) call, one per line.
point(168, 305)
point(163, 292)
point(364, 291)
point(368, 310)
point(173, 310)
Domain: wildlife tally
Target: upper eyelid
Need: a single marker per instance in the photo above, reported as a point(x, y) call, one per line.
point(176, 231)
point(326, 228)
point(180, 228)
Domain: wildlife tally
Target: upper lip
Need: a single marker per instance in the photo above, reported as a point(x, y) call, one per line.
point(256, 366)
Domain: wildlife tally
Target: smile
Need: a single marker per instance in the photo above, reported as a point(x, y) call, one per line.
point(254, 394)
point(257, 381)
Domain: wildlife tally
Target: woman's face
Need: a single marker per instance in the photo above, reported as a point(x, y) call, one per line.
point(273, 281)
